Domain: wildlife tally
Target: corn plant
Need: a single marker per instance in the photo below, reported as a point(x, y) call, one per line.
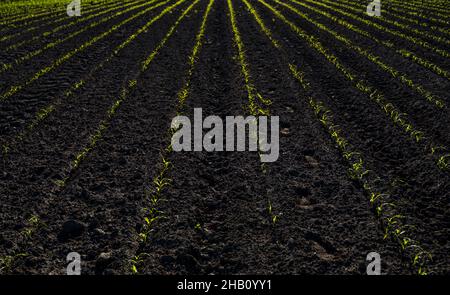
point(254, 97)
point(360, 84)
point(7, 262)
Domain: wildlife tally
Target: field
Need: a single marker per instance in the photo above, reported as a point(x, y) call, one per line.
point(87, 166)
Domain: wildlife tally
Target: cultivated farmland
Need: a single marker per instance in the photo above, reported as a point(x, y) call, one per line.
point(87, 165)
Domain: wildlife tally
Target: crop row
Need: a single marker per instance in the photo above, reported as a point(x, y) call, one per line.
point(366, 20)
point(438, 4)
point(415, 7)
point(375, 59)
point(32, 9)
point(48, 15)
point(424, 17)
point(29, 55)
point(92, 9)
point(32, 17)
point(44, 112)
point(57, 29)
point(29, 18)
point(422, 34)
point(8, 261)
point(254, 96)
point(423, 13)
point(384, 205)
point(419, 22)
point(161, 179)
point(125, 92)
point(257, 104)
point(441, 154)
point(9, 16)
point(401, 51)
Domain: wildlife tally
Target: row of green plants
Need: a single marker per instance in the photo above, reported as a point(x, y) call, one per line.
point(33, 224)
point(439, 4)
point(14, 89)
point(396, 23)
point(39, 24)
point(29, 18)
point(42, 13)
point(401, 51)
point(29, 55)
point(422, 13)
point(439, 152)
point(373, 22)
point(393, 224)
point(9, 16)
point(9, 261)
point(162, 180)
point(88, 13)
point(375, 59)
point(15, 11)
point(418, 22)
point(77, 86)
point(257, 104)
point(438, 13)
point(255, 99)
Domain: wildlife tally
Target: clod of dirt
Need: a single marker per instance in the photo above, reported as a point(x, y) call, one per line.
point(103, 260)
point(285, 132)
point(71, 229)
point(319, 241)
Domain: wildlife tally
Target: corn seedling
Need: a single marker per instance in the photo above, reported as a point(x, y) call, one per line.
point(273, 217)
point(33, 224)
point(55, 64)
point(360, 84)
point(136, 261)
